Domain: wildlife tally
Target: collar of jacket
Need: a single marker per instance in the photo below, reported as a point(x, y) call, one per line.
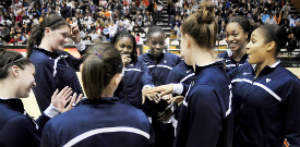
point(199, 69)
point(159, 57)
point(14, 103)
point(51, 54)
point(267, 69)
point(103, 100)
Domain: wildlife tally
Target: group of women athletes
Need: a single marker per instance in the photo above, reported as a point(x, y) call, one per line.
point(249, 101)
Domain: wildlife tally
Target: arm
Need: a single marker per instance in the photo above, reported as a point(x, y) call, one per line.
point(75, 35)
point(146, 77)
point(292, 120)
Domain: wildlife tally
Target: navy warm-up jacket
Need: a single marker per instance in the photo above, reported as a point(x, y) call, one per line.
point(230, 62)
point(266, 107)
point(159, 69)
point(204, 119)
point(181, 73)
point(17, 128)
point(54, 70)
point(105, 122)
point(135, 76)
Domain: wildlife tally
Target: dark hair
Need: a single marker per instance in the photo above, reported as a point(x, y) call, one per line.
point(243, 22)
point(272, 32)
point(8, 58)
point(202, 25)
point(154, 29)
point(121, 34)
point(53, 21)
point(101, 62)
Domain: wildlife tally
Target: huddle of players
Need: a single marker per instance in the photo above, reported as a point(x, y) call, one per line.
point(251, 102)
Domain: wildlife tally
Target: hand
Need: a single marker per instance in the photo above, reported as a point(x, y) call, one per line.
point(73, 102)
point(60, 99)
point(167, 98)
point(126, 59)
point(75, 34)
point(177, 99)
point(151, 96)
point(161, 90)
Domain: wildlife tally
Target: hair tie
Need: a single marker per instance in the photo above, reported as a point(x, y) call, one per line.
point(97, 54)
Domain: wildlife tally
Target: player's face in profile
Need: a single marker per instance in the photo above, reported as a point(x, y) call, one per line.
point(27, 80)
point(257, 47)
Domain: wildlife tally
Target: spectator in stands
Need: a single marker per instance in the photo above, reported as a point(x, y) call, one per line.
point(16, 80)
point(92, 7)
point(106, 31)
point(121, 27)
point(296, 32)
point(5, 34)
point(171, 10)
point(55, 67)
point(270, 19)
point(112, 29)
point(19, 19)
point(26, 21)
point(65, 11)
point(119, 124)
point(93, 34)
point(259, 98)
point(293, 20)
point(237, 37)
point(137, 29)
point(292, 43)
point(286, 7)
point(160, 7)
point(265, 15)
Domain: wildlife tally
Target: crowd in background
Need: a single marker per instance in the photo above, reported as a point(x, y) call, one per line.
point(101, 19)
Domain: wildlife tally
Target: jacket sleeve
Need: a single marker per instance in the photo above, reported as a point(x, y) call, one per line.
point(81, 48)
point(292, 104)
point(75, 62)
point(178, 60)
point(20, 132)
point(205, 118)
point(46, 84)
point(42, 120)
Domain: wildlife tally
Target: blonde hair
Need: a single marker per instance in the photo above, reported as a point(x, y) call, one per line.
point(201, 25)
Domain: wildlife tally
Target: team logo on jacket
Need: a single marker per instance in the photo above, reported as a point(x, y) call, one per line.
point(165, 61)
point(246, 73)
point(268, 80)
